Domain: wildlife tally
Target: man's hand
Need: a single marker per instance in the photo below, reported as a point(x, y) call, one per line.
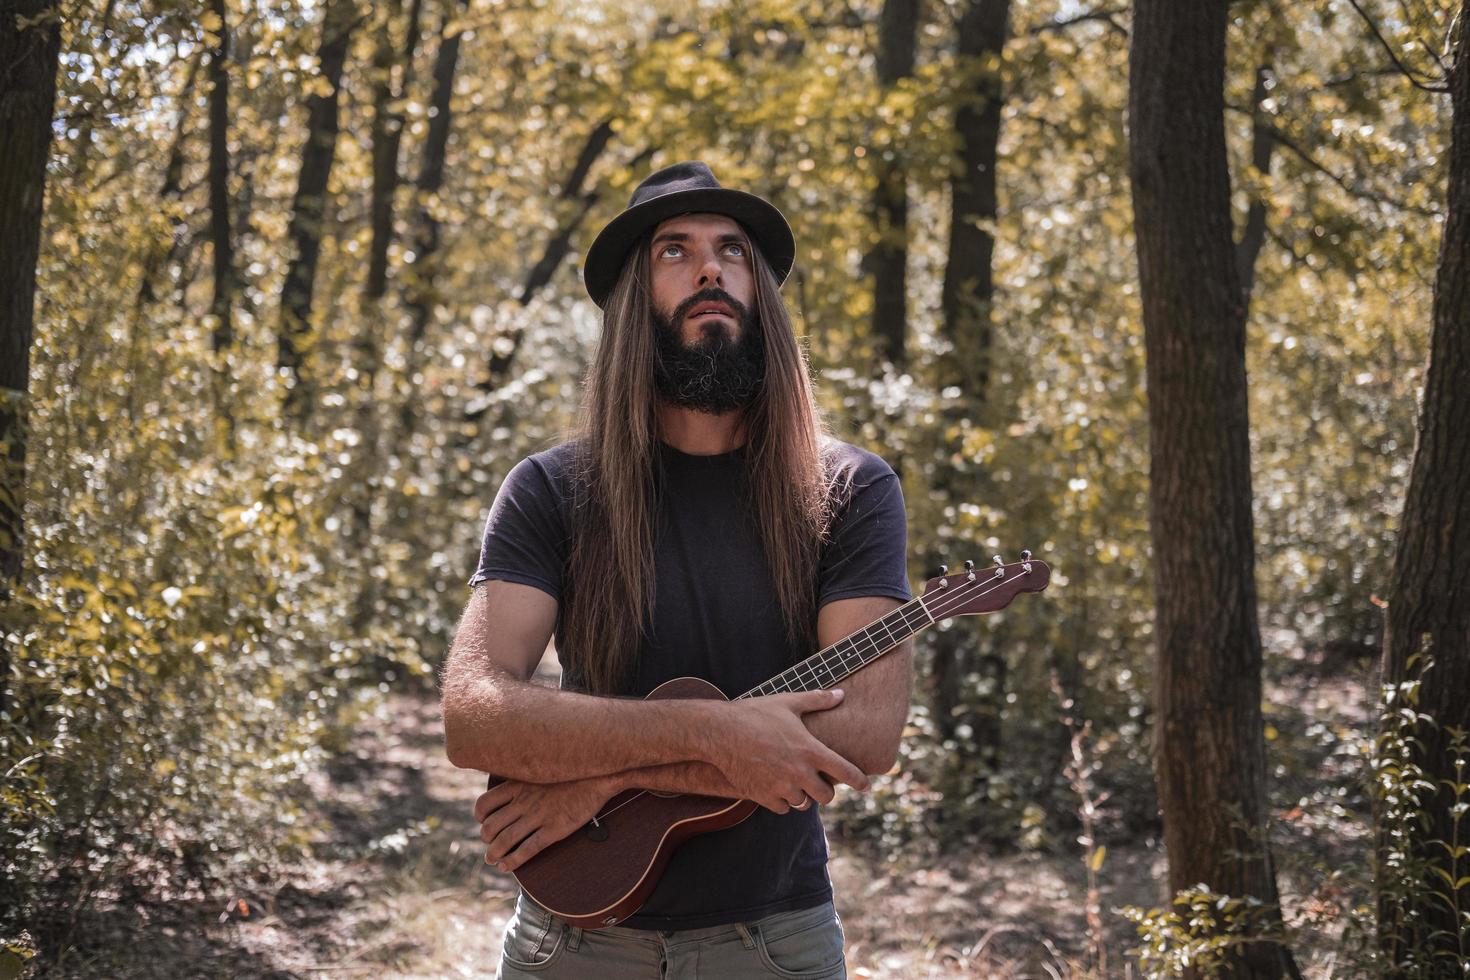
point(518, 820)
point(768, 755)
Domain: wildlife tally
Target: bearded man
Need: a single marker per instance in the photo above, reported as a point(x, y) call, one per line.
point(700, 521)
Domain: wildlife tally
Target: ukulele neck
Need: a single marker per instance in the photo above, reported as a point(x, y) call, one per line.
point(850, 654)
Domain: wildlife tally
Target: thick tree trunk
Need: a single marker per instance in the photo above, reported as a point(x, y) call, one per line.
point(898, 29)
point(1429, 598)
point(28, 57)
point(308, 211)
point(1210, 757)
point(388, 122)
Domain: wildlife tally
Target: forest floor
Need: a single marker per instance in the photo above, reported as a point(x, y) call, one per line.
point(399, 888)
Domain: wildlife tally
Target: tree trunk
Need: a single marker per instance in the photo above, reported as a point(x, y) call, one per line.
point(308, 210)
point(1210, 758)
point(1429, 598)
point(388, 122)
point(898, 29)
point(173, 174)
point(28, 58)
point(970, 716)
point(420, 288)
point(222, 307)
point(1263, 145)
point(968, 281)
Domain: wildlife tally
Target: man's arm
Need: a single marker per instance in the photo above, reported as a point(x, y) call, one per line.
point(867, 726)
point(495, 720)
point(518, 820)
point(864, 729)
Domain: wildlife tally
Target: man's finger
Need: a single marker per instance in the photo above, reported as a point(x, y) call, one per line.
point(776, 805)
point(823, 793)
point(507, 839)
point(529, 848)
point(498, 821)
point(843, 771)
point(491, 800)
point(809, 701)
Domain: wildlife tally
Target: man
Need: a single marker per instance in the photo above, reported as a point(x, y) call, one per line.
point(701, 522)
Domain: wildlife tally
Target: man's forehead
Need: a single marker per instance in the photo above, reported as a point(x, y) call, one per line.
point(699, 221)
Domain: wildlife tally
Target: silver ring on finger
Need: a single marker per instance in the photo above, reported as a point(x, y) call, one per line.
point(806, 802)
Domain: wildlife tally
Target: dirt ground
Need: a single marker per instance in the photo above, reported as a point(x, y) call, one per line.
point(399, 888)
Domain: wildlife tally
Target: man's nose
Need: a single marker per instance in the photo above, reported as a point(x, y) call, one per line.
point(709, 273)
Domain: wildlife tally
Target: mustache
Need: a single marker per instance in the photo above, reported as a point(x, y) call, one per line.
point(711, 295)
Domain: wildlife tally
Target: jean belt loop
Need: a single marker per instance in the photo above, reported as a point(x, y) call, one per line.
point(745, 937)
point(574, 938)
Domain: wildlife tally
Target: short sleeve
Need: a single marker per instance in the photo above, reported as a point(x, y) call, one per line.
point(525, 535)
point(867, 552)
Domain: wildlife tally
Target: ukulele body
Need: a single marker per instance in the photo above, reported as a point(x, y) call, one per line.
point(603, 872)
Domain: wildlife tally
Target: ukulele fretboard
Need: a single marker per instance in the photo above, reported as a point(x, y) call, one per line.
point(849, 654)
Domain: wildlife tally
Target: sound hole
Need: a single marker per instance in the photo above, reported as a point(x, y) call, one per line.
point(597, 832)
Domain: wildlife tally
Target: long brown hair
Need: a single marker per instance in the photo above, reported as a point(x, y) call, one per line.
point(795, 488)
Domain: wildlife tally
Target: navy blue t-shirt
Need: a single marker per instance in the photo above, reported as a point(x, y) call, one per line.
point(716, 616)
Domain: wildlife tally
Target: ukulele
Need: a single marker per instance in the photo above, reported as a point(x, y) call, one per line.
point(602, 874)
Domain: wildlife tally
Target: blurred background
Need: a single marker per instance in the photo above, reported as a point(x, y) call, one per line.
point(307, 286)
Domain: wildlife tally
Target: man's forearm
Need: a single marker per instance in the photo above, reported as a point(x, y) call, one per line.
point(490, 721)
point(680, 777)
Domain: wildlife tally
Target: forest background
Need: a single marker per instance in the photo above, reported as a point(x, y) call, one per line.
point(1148, 289)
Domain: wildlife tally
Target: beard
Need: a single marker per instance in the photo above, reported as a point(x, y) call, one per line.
point(713, 374)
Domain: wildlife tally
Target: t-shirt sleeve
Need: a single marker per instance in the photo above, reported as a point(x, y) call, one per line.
point(525, 534)
point(867, 553)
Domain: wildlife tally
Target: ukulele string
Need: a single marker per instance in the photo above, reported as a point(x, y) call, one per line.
point(950, 600)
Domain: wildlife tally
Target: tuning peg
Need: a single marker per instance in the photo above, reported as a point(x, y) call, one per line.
point(943, 581)
point(1025, 554)
point(1026, 560)
point(969, 570)
point(1000, 570)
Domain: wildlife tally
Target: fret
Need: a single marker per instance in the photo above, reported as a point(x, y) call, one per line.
point(850, 654)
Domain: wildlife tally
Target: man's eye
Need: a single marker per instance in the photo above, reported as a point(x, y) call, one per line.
point(739, 248)
point(665, 250)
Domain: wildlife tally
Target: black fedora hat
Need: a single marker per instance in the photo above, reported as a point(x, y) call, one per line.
point(682, 189)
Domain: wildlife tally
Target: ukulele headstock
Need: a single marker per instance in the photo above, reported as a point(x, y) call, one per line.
point(975, 591)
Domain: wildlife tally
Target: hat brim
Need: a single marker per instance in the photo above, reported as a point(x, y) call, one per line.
point(760, 219)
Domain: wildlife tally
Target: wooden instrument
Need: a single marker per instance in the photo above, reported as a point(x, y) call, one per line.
point(603, 873)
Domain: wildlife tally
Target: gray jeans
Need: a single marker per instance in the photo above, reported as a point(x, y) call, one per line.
point(802, 945)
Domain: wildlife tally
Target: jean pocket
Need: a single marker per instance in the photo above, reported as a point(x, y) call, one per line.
point(534, 939)
point(811, 953)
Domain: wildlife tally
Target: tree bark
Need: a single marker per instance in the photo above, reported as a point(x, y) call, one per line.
point(1210, 759)
point(308, 210)
point(966, 303)
point(898, 29)
point(419, 289)
point(968, 281)
point(1263, 146)
point(388, 122)
point(222, 307)
point(1429, 596)
point(173, 174)
point(28, 59)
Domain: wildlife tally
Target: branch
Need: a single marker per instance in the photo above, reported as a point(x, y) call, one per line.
point(1393, 56)
point(1105, 15)
point(1280, 137)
